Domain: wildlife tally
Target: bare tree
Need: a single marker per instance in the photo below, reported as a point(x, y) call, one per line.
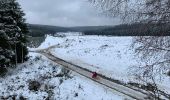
point(136, 10)
point(154, 51)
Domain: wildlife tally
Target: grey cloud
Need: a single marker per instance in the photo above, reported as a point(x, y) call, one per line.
point(63, 13)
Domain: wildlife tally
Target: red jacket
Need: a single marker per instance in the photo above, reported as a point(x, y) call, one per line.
point(94, 75)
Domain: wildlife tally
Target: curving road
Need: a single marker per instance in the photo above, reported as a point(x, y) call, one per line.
point(134, 94)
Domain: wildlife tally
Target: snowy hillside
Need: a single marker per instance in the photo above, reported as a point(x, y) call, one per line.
point(40, 79)
point(110, 56)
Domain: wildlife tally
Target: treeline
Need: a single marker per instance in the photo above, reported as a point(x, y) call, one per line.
point(136, 29)
point(37, 30)
point(41, 30)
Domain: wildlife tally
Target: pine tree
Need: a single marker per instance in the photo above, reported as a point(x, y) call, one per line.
point(21, 30)
point(5, 50)
point(13, 31)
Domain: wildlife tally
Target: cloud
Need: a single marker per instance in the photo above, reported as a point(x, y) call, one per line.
point(63, 13)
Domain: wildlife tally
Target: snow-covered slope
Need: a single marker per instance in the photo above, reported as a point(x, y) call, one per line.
point(110, 56)
point(54, 84)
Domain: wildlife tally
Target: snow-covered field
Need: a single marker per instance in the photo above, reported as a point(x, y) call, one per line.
point(110, 56)
point(54, 84)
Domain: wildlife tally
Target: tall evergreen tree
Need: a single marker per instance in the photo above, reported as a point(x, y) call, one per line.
point(13, 31)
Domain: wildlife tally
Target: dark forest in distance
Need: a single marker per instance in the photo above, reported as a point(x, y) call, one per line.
point(118, 30)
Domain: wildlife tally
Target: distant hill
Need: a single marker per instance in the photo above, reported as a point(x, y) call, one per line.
point(37, 30)
point(40, 30)
point(135, 29)
point(89, 28)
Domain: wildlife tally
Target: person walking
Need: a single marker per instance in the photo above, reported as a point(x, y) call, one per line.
point(94, 75)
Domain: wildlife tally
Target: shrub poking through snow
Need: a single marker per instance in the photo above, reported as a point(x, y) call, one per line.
point(61, 81)
point(76, 95)
point(34, 85)
point(66, 73)
point(168, 73)
point(22, 98)
point(37, 58)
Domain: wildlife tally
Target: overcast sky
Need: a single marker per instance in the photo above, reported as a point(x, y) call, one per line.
point(63, 13)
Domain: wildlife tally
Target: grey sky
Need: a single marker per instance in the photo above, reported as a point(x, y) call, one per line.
point(63, 13)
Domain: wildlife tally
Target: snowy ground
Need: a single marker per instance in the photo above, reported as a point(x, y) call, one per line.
point(52, 81)
point(110, 56)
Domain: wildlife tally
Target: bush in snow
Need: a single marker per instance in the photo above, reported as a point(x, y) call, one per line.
point(168, 73)
point(34, 85)
point(13, 97)
point(66, 73)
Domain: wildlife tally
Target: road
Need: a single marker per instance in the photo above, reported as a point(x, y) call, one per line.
point(103, 80)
